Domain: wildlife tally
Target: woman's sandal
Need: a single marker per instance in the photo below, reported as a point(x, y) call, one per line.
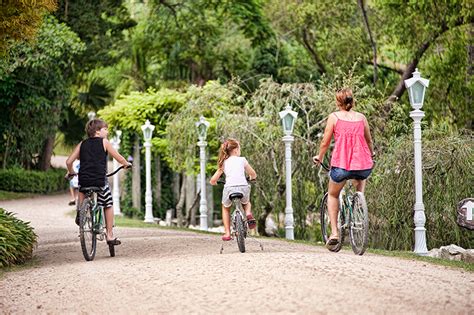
point(333, 245)
point(115, 241)
point(251, 221)
point(226, 238)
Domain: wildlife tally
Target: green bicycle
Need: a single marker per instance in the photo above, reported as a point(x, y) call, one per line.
point(353, 216)
point(92, 222)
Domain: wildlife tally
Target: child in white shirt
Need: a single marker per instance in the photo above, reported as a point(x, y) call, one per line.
point(234, 167)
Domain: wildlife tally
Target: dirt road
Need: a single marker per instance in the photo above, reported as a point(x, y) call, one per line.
point(160, 271)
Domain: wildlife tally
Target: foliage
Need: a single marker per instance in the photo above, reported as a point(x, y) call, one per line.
point(34, 91)
point(447, 179)
point(21, 19)
point(17, 239)
point(21, 180)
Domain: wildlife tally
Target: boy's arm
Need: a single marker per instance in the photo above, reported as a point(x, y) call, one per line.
point(216, 176)
point(70, 160)
point(114, 153)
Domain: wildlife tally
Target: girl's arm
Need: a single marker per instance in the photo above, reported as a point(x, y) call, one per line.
point(109, 148)
point(250, 171)
point(216, 176)
point(70, 160)
point(368, 136)
point(323, 147)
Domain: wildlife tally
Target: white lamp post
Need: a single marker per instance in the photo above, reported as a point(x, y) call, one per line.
point(116, 190)
point(288, 118)
point(91, 115)
point(202, 126)
point(416, 87)
point(147, 129)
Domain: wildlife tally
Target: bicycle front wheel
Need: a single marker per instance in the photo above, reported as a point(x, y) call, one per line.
point(240, 232)
point(359, 224)
point(86, 230)
point(326, 223)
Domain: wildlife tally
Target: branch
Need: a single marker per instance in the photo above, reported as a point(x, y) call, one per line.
point(313, 53)
point(372, 42)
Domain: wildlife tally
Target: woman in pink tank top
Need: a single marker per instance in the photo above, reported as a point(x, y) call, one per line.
point(351, 157)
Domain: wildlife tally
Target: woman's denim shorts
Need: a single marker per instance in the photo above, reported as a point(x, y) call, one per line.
point(339, 174)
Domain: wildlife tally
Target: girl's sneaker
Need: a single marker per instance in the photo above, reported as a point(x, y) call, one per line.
point(251, 221)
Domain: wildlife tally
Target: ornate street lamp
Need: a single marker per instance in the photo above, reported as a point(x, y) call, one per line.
point(416, 87)
point(201, 127)
point(147, 129)
point(288, 119)
point(116, 189)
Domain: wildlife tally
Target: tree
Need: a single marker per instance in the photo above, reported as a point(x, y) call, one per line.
point(36, 88)
point(21, 19)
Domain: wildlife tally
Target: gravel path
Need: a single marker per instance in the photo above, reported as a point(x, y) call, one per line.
point(161, 271)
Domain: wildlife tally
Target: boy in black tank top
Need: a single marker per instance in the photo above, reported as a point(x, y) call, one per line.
point(92, 153)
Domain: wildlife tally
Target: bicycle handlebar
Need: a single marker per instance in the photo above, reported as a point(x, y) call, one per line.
point(69, 176)
point(251, 181)
point(118, 169)
point(324, 166)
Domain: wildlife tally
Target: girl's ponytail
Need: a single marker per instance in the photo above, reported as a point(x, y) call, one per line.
point(224, 151)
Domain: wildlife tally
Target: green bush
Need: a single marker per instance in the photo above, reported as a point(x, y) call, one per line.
point(447, 179)
point(21, 180)
point(17, 239)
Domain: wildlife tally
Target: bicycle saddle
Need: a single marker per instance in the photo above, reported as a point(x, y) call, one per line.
point(236, 195)
point(92, 188)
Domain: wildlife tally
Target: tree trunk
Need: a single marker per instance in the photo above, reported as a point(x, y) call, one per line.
point(210, 204)
point(136, 179)
point(180, 204)
point(175, 186)
point(158, 181)
point(190, 196)
point(46, 154)
point(372, 42)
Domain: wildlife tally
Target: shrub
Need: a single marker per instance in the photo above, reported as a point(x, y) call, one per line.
point(447, 179)
point(17, 239)
point(21, 180)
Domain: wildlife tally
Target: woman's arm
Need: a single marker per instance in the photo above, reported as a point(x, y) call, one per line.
point(114, 153)
point(74, 156)
point(216, 176)
point(324, 146)
point(368, 136)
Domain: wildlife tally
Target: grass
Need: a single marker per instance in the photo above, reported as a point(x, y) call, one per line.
point(9, 195)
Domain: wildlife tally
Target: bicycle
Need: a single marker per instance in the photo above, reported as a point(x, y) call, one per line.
point(239, 223)
point(91, 221)
point(353, 216)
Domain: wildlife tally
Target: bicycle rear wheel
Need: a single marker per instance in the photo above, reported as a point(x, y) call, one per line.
point(240, 232)
point(326, 224)
point(359, 224)
point(86, 230)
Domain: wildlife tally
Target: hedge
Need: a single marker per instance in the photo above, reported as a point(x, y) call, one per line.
point(17, 240)
point(21, 180)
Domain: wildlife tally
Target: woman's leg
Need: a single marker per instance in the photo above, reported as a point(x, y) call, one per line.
point(333, 205)
point(73, 196)
point(226, 220)
point(359, 184)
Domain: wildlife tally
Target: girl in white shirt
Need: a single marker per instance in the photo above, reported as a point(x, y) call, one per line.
point(234, 167)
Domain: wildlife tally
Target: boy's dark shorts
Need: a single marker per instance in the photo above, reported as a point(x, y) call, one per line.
point(339, 175)
point(104, 197)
